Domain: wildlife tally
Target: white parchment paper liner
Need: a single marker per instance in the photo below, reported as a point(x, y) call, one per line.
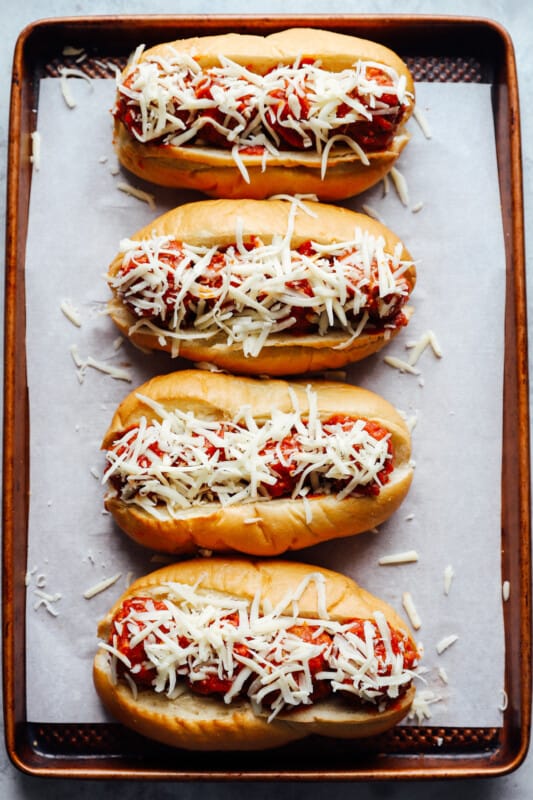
point(452, 514)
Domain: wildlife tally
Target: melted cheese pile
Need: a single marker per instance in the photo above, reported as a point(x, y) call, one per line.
point(258, 288)
point(278, 664)
point(165, 468)
point(169, 92)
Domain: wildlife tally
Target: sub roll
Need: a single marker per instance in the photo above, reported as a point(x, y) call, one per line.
point(271, 287)
point(207, 461)
point(250, 116)
point(235, 655)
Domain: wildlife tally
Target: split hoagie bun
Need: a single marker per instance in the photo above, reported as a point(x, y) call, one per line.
point(200, 460)
point(216, 654)
point(234, 115)
point(272, 287)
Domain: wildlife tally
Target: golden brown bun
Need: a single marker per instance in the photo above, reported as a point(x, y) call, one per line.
point(270, 527)
point(203, 723)
point(213, 222)
point(213, 171)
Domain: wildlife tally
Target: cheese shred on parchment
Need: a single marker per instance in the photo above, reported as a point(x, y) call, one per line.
point(35, 157)
point(400, 184)
point(139, 194)
point(406, 557)
point(118, 373)
point(101, 586)
point(410, 610)
point(446, 642)
point(71, 313)
point(65, 73)
point(420, 708)
point(420, 118)
point(401, 365)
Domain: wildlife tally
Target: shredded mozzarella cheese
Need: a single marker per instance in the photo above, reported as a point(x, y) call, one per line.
point(35, 157)
point(140, 194)
point(65, 73)
point(200, 634)
point(71, 313)
point(449, 574)
point(406, 557)
point(170, 464)
point(101, 586)
point(246, 294)
point(410, 610)
point(446, 642)
point(294, 105)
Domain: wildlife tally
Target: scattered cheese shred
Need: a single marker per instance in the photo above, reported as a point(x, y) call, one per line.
point(146, 197)
point(71, 313)
point(443, 675)
point(420, 118)
point(417, 348)
point(410, 610)
point(65, 73)
point(28, 577)
point(446, 642)
point(118, 373)
point(35, 157)
point(417, 207)
point(434, 344)
point(406, 557)
point(401, 365)
point(109, 369)
point(420, 708)
point(504, 704)
point(400, 184)
point(372, 212)
point(68, 50)
point(449, 575)
point(101, 586)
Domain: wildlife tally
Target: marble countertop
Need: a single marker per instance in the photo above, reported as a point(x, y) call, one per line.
point(517, 17)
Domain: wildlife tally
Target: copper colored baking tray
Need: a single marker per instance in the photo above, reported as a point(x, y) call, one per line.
point(437, 49)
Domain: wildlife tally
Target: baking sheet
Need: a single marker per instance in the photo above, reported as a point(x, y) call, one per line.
point(452, 514)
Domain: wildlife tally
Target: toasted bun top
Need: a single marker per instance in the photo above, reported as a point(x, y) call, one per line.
point(336, 51)
point(214, 222)
point(217, 396)
point(275, 579)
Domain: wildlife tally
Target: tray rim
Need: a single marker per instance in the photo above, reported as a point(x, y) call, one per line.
point(18, 181)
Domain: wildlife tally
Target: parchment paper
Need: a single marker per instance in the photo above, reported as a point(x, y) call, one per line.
point(452, 514)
